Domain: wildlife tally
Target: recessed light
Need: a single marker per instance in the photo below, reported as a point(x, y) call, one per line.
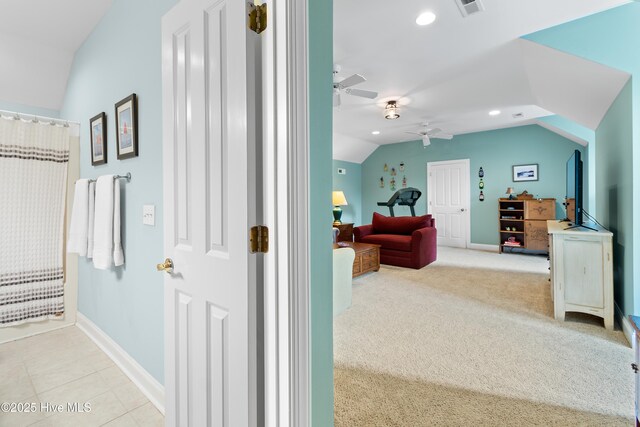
point(426, 18)
point(375, 132)
point(494, 112)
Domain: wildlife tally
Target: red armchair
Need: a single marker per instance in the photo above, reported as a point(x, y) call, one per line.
point(405, 241)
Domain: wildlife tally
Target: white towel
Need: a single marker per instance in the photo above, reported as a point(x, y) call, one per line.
point(90, 222)
point(118, 256)
point(105, 243)
point(77, 242)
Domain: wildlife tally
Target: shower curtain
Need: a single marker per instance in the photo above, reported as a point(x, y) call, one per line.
point(33, 175)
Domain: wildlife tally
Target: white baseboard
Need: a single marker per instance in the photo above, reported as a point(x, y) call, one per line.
point(132, 369)
point(483, 247)
point(627, 329)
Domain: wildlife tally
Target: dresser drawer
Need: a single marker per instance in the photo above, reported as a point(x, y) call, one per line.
point(540, 209)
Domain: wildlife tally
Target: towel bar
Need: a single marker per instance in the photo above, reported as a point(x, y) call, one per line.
point(127, 177)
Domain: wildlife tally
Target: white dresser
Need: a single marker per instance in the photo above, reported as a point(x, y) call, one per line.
point(581, 263)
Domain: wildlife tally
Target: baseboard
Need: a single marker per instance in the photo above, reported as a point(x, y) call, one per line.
point(627, 329)
point(483, 247)
point(132, 369)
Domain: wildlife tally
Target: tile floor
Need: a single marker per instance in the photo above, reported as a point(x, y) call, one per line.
point(65, 366)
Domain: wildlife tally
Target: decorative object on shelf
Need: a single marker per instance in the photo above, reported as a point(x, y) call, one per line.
point(338, 200)
point(401, 166)
point(404, 182)
point(381, 182)
point(127, 127)
point(510, 192)
point(525, 196)
point(386, 168)
point(481, 197)
point(392, 184)
point(481, 173)
point(525, 172)
point(391, 110)
point(481, 184)
point(98, 126)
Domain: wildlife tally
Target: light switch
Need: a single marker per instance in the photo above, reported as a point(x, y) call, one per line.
point(149, 215)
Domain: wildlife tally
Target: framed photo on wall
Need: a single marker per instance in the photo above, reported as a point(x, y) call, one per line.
point(525, 172)
point(98, 127)
point(127, 127)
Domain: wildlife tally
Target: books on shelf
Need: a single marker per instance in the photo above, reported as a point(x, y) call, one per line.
point(508, 217)
point(513, 244)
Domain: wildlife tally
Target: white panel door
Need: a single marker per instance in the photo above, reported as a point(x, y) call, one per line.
point(209, 205)
point(448, 200)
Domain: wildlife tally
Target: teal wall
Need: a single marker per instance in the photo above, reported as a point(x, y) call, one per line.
point(28, 109)
point(612, 38)
point(321, 133)
point(615, 202)
point(351, 184)
point(496, 151)
point(120, 57)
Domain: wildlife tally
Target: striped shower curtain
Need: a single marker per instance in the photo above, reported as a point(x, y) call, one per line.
point(33, 175)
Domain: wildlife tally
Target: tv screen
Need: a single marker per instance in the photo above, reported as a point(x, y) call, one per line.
point(574, 188)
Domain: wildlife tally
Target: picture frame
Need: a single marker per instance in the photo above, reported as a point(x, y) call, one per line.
point(98, 139)
point(525, 172)
point(127, 127)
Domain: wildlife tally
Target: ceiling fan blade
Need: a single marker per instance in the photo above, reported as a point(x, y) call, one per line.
point(336, 99)
point(363, 93)
point(351, 81)
point(442, 136)
point(415, 133)
point(433, 131)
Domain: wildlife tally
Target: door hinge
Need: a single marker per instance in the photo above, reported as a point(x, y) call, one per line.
point(259, 239)
point(257, 21)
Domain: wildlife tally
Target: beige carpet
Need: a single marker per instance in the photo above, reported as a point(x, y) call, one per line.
point(471, 339)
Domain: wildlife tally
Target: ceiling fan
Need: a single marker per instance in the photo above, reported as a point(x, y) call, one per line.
point(428, 133)
point(345, 85)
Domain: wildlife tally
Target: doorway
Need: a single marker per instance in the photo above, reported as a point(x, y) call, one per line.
point(448, 201)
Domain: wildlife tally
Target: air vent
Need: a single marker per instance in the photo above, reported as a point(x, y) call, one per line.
point(469, 7)
point(518, 116)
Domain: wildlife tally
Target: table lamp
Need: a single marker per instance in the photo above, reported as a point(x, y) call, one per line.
point(510, 192)
point(338, 200)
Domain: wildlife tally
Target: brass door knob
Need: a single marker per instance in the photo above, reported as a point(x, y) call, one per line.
point(167, 266)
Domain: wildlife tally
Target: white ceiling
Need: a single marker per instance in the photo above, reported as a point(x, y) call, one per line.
point(38, 39)
point(453, 72)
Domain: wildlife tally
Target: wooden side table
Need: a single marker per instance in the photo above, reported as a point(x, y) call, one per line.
point(367, 256)
point(346, 232)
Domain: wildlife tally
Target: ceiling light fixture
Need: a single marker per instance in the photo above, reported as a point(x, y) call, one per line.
point(375, 132)
point(391, 110)
point(494, 112)
point(426, 18)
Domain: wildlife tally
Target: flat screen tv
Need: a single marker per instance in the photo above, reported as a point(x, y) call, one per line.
point(574, 189)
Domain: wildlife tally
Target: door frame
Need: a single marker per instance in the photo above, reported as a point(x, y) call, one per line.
point(467, 184)
point(286, 202)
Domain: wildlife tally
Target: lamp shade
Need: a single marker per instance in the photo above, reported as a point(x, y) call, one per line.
point(510, 190)
point(339, 199)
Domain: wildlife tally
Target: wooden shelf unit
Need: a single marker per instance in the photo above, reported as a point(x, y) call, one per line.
point(529, 225)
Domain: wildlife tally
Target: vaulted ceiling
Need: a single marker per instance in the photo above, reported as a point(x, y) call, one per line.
point(38, 39)
point(453, 72)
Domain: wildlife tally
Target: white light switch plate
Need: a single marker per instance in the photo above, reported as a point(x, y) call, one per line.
point(149, 215)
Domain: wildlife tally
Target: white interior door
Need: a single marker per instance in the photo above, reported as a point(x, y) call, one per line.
point(448, 200)
point(209, 206)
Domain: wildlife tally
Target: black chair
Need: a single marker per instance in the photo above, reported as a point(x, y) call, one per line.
point(403, 197)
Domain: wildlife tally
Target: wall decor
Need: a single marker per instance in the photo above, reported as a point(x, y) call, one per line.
point(386, 168)
point(481, 197)
point(404, 182)
point(401, 166)
point(481, 173)
point(381, 182)
point(98, 126)
point(127, 127)
point(392, 184)
point(481, 184)
point(393, 171)
point(525, 172)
